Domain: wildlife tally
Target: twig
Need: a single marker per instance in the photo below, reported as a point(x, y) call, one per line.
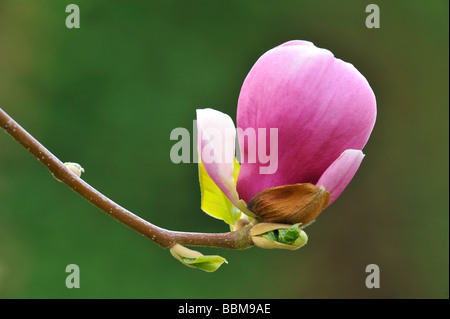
point(165, 238)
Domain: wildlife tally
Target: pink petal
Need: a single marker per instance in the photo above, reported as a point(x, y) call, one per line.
point(321, 106)
point(216, 138)
point(216, 144)
point(336, 178)
point(296, 42)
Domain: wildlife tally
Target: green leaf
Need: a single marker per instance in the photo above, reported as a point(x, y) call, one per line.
point(288, 236)
point(214, 201)
point(207, 263)
point(271, 235)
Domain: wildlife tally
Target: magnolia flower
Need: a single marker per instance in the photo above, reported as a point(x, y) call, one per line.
point(323, 111)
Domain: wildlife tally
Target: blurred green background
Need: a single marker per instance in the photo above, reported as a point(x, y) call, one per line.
point(108, 95)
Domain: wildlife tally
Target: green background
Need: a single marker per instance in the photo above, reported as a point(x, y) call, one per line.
point(108, 95)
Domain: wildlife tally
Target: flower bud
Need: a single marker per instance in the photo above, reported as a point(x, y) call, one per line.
point(271, 235)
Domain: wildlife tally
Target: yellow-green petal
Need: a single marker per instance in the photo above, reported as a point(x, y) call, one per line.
point(214, 202)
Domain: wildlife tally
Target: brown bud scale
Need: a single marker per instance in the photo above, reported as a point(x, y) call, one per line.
point(290, 204)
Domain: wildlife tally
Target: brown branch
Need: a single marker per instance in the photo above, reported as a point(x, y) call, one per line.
point(165, 238)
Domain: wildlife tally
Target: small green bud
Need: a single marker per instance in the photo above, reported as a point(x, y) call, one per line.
point(75, 168)
point(278, 236)
point(241, 223)
point(195, 259)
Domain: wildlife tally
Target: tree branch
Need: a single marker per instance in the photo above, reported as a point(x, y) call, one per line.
point(239, 239)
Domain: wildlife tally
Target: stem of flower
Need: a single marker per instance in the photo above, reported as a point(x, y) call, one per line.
point(239, 239)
